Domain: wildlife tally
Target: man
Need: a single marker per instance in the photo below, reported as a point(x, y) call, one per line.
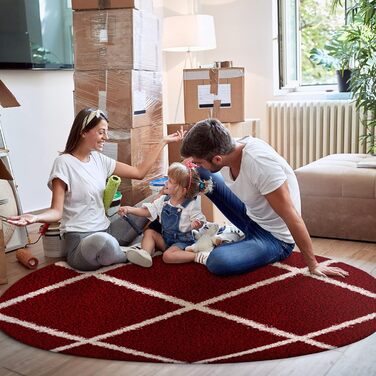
point(258, 192)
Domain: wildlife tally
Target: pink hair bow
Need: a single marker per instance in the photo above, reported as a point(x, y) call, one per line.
point(190, 164)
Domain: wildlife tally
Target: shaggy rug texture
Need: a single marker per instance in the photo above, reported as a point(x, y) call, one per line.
point(182, 313)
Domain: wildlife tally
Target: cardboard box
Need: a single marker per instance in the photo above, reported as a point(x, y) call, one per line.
point(4, 173)
point(3, 260)
point(7, 99)
point(249, 127)
point(116, 39)
point(145, 5)
point(134, 146)
point(136, 192)
point(131, 98)
point(216, 93)
point(174, 147)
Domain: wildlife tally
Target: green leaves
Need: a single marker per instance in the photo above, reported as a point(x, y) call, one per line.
point(362, 34)
point(339, 52)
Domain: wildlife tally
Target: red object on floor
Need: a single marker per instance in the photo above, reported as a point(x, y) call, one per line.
point(182, 313)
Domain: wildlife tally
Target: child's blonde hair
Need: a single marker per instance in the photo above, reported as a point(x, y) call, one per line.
point(186, 176)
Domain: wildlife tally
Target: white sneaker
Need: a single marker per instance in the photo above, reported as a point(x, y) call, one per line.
point(230, 234)
point(138, 256)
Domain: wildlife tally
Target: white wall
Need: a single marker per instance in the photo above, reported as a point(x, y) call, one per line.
point(37, 130)
point(244, 35)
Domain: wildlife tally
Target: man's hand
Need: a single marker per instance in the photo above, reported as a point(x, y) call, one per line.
point(325, 271)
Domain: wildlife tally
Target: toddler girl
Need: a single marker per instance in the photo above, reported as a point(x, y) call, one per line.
point(179, 213)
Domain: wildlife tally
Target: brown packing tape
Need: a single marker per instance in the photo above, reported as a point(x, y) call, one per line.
point(103, 4)
point(216, 108)
point(213, 77)
point(25, 257)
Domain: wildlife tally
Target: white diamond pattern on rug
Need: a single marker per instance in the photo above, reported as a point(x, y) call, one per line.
point(182, 313)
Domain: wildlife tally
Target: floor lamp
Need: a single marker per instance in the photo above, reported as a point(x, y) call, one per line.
point(188, 33)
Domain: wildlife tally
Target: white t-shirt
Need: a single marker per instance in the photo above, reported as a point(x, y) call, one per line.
point(262, 171)
point(83, 203)
point(191, 212)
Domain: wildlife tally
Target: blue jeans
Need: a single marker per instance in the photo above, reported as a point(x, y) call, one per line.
point(259, 246)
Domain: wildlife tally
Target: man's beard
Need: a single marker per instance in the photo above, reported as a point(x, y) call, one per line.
point(214, 168)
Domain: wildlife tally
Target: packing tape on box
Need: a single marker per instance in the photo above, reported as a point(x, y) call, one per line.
point(112, 185)
point(103, 4)
point(216, 108)
point(25, 257)
point(214, 80)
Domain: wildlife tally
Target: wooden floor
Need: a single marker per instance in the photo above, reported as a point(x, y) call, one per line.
point(354, 360)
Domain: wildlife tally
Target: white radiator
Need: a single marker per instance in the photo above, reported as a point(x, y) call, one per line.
point(303, 132)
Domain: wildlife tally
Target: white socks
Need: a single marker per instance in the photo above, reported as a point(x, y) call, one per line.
point(201, 257)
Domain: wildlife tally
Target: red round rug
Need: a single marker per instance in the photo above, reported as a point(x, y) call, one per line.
point(182, 313)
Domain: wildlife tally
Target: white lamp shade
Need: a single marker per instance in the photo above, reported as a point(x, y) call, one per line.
point(194, 32)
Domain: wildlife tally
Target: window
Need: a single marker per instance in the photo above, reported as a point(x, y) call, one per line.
point(303, 25)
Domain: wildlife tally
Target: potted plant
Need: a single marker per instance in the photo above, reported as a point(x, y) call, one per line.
point(362, 18)
point(338, 54)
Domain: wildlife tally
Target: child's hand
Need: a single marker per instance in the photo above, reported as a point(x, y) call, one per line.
point(196, 224)
point(123, 210)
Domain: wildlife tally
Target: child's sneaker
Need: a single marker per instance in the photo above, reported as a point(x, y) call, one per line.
point(138, 256)
point(229, 234)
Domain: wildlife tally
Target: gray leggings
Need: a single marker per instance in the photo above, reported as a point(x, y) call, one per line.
point(92, 250)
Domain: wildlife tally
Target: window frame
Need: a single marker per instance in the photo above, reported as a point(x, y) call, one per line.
point(282, 83)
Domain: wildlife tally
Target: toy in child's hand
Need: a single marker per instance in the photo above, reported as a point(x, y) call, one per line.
point(205, 241)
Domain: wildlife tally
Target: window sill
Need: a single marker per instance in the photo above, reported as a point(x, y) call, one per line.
point(312, 94)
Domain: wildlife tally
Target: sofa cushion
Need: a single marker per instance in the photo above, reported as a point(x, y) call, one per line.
point(337, 175)
point(339, 199)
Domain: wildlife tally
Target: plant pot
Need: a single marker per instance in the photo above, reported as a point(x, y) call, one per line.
point(343, 79)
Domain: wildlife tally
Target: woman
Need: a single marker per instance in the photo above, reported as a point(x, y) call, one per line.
point(77, 181)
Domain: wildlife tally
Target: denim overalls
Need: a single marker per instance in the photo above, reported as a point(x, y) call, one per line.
point(170, 219)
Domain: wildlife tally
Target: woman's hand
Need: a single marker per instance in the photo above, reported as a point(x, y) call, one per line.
point(22, 220)
point(175, 137)
point(324, 271)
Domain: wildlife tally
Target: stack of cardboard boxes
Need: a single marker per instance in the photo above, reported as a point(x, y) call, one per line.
point(213, 93)
point(117, 69)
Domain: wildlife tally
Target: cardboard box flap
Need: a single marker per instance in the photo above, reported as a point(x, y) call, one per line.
point(7, 99)
point(4, 173)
